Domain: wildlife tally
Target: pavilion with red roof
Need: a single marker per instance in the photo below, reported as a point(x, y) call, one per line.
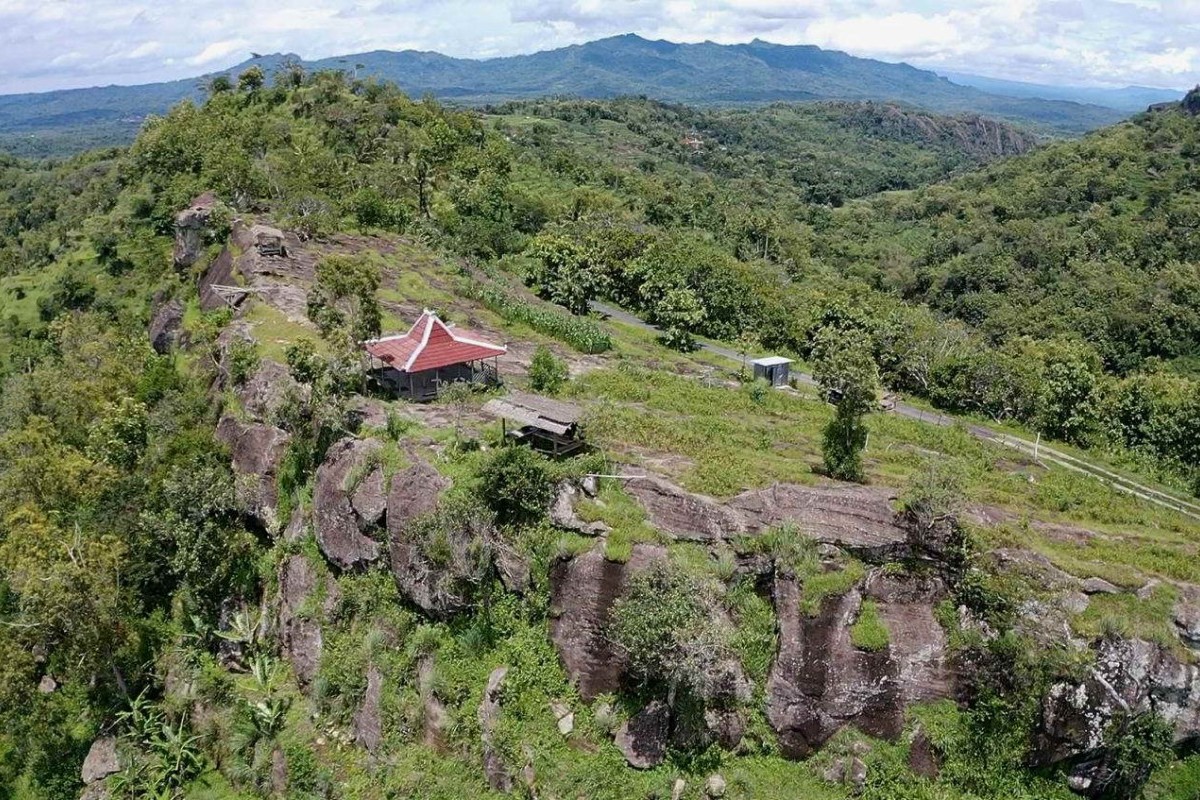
point(431, 354)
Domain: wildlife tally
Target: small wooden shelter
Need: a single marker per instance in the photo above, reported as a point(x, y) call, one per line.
point(775, 370)
point(547, 425)
point(432, 354)
point(268, 241)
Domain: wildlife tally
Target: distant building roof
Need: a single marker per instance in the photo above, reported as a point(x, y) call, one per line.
point(540, 412)
point(430, 344)
point(771, 361)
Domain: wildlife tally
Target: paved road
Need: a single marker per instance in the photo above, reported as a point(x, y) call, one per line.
point(1034, 450)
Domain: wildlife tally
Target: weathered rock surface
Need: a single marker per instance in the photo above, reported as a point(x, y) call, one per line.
point(582, 592)
point(1130, 676)
point(442, 583)
point(1097, 586)
point(165, 326)
point(101, 761)
point(265, 391)
point(190, 226)
point(368, 721)
point(435, 717)
point(497, 774)
point(923, 758)
point(339, 529)
point(414, 492)
point(820, 682)
point(256, 451)
point(562, 513)
point(859, 519)
point(369, 499)
point(300, 632)
point(643, 738)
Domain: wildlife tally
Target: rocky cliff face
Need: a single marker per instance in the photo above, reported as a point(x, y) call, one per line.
point(821, 682)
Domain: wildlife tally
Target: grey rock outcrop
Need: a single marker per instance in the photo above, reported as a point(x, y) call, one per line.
point(267, 389)
point(820, 682)
point(299, 625)
point(165, 326)
point(256, 451)
point(435, 716)
point(339, 529)
point(562, 513)
point(858, 519)
point(583, 590)
point(102, 760)
point(1129, 677)
point(439, 563)
point(414, 493)
point(494, 769)
point(367, 724)
point(190, 228)
point(643, 738)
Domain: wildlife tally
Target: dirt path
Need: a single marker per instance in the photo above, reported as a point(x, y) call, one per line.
point(1038, 451)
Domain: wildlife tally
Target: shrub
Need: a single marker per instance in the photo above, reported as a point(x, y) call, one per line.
point(241, 360)
point(517, 485)
point(547, 373)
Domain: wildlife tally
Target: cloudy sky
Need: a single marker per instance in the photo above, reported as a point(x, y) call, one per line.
point(49, 44)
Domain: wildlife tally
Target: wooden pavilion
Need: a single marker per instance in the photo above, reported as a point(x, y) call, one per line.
point(432, 354)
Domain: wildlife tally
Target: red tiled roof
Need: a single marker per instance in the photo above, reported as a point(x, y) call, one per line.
point(430, 344)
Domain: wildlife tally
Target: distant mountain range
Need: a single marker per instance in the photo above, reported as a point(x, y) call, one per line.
point(707, 73)
point(1129, 98)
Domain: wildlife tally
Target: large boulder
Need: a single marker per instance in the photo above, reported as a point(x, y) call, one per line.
point(440, 559)
point(367, 724)
point(1129, 677)
point(820, 682)
point(256, 451)
point(267, 389)
point(494, 769)
point(414, 493)
point(583, 590)
point(859, 519)
point(191, 226)
point(165, 326)
point(643, 738)
point(102, 760)
point(339, 529)
point(299, 623)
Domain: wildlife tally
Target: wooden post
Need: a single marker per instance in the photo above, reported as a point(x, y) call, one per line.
point(1036, 446)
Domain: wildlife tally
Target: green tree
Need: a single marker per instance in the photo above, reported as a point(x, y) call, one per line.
point(546, 373)
point(343, 301)
point(251, 80)
point(846, 372)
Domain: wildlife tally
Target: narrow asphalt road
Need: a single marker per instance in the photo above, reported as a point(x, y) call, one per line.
point(1034, 450)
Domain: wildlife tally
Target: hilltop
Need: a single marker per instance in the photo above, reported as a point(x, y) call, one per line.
point(707, 73)
point(235, 563)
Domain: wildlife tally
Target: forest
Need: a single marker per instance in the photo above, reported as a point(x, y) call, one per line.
point(1053, 287)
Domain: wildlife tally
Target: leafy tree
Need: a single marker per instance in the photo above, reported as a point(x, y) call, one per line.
point(251, 79)
point(844, 369)
point(343, 301)
point(563, 272)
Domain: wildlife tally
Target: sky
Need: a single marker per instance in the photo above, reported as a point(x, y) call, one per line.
point(54, 44)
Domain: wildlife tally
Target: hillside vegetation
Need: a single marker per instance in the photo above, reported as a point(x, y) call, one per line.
point(230, 567)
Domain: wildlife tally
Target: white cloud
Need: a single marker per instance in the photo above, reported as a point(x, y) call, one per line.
point(48, 44)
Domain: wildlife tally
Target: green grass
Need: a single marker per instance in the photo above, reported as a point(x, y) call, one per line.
point(869, 631)
point(1128, 616)
point(623, 514)
point(274, 331)
point(835, 583)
